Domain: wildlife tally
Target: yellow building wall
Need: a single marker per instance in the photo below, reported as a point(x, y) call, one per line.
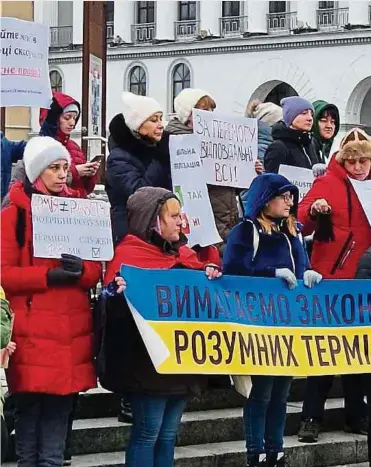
point(18, 119)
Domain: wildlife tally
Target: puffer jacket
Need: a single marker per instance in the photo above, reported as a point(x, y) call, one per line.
point(289, 147)
point(223, 199)
point(132, 163)
point(53, 325)
point(337, 258)
point(49, 121)
point(364, 266)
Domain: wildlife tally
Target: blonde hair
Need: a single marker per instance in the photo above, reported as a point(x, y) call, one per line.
point(206, 101)
point(252, 107)
point(171, 205)
point(270, 226)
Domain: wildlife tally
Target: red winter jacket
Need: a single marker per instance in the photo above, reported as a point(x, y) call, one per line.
point(60, 101)
point(337, 259)
point(53, 325)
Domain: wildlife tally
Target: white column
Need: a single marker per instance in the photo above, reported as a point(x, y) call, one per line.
point(123, 19)
point(257, 16)
point(307, 14)
point(358, 12)
point(38, 11)
point(78, 21)
point(166, 15)
point(50, 16)
point(210, 13)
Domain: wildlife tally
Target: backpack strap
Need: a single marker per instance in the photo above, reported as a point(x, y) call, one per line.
point(256, 238)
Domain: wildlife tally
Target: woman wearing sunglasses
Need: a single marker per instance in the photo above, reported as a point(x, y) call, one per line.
point(268, 243)
point(333, 211)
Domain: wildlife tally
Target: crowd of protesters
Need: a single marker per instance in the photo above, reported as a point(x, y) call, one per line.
point(51, 342)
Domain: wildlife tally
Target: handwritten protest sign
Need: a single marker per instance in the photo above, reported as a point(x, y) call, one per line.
point(229, 148)
point(363, 190)
point(24, 64)
point(298, 176)
point(190, 187)
point(247, 325)
point(80, 227)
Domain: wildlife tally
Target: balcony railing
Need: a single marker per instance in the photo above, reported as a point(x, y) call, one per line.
point(187, 29)
point(61, 36)
point(281, 23)
point(110, 30)
point(144, 32)
point(332, 18)
point(233, 25)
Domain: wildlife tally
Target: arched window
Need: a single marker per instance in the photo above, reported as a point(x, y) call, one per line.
point(138, 81)
point(56, 81)
point(181, 79)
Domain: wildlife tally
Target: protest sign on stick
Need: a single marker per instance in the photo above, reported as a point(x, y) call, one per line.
point(229, 148)
point(298, 176)
point(363, 191)
point(79, 227)
point(190, 187)
point(24, 64)
point(249, 325)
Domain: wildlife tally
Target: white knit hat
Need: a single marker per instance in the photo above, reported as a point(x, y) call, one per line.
point(267, 112)
point(186, 100)
point(71, 108)
point(138, 109)
point(40, 152)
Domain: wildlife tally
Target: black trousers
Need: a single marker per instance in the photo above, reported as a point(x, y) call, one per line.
point(68, 448)
point(354, 389)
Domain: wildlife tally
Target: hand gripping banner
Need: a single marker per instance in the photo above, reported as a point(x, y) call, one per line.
point(250, 326)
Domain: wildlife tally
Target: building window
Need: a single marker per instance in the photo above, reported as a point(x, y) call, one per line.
point(138, 81)
point(326, 5)
point(56, 81)
point(146, 12)
point(181, 79)
point(277, 7)
point(187, 11)
point(231, 9)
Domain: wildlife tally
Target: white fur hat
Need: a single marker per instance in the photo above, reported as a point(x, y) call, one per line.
point(186, 100)
point(40, 152)
point(267, 112)
point(138, 109)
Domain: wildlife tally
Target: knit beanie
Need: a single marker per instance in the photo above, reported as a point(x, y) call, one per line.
point(186, 100)
point(138, 109)
point(40, 152)
point(71, 108)
point(294, 106)
point(267, 112)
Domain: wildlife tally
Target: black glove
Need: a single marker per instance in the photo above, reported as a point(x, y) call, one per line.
point(71, 263)
point(60, 276)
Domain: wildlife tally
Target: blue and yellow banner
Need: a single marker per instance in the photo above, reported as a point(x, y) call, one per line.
point(250, 326)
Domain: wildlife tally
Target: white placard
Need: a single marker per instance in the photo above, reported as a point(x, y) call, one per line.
point(229, 148)
point(190, 187)
point(79, 227)
point(302, 178)
point(24, 64)
point(363, 191)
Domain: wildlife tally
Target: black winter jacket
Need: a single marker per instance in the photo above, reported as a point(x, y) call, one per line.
point(364, 266)
point(289, 147)
point(132, 163)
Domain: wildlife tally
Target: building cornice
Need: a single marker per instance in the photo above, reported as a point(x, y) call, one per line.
point(156, 51)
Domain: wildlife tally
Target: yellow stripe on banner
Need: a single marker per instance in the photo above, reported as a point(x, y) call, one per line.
point(222, 348)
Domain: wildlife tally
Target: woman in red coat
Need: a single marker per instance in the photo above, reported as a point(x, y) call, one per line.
point(58, 122)
point(53, 325)
point(333, 211)
point(154, 241)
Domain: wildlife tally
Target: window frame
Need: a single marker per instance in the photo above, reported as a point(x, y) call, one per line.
point(148, 8)
point(230, 5)
point(61, 80)
point(286, 10)
point(185, 79)
point(188, 5)
point(141, 80)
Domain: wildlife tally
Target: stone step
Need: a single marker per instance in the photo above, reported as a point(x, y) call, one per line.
point(197, 428)
point(333, 449)
point(99, 403)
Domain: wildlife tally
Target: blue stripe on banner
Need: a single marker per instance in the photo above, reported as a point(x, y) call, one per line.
point(188, 296)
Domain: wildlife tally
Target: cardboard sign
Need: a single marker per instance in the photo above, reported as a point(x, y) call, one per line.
point(190, 187)
point(229, 148)
point(79, 227)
